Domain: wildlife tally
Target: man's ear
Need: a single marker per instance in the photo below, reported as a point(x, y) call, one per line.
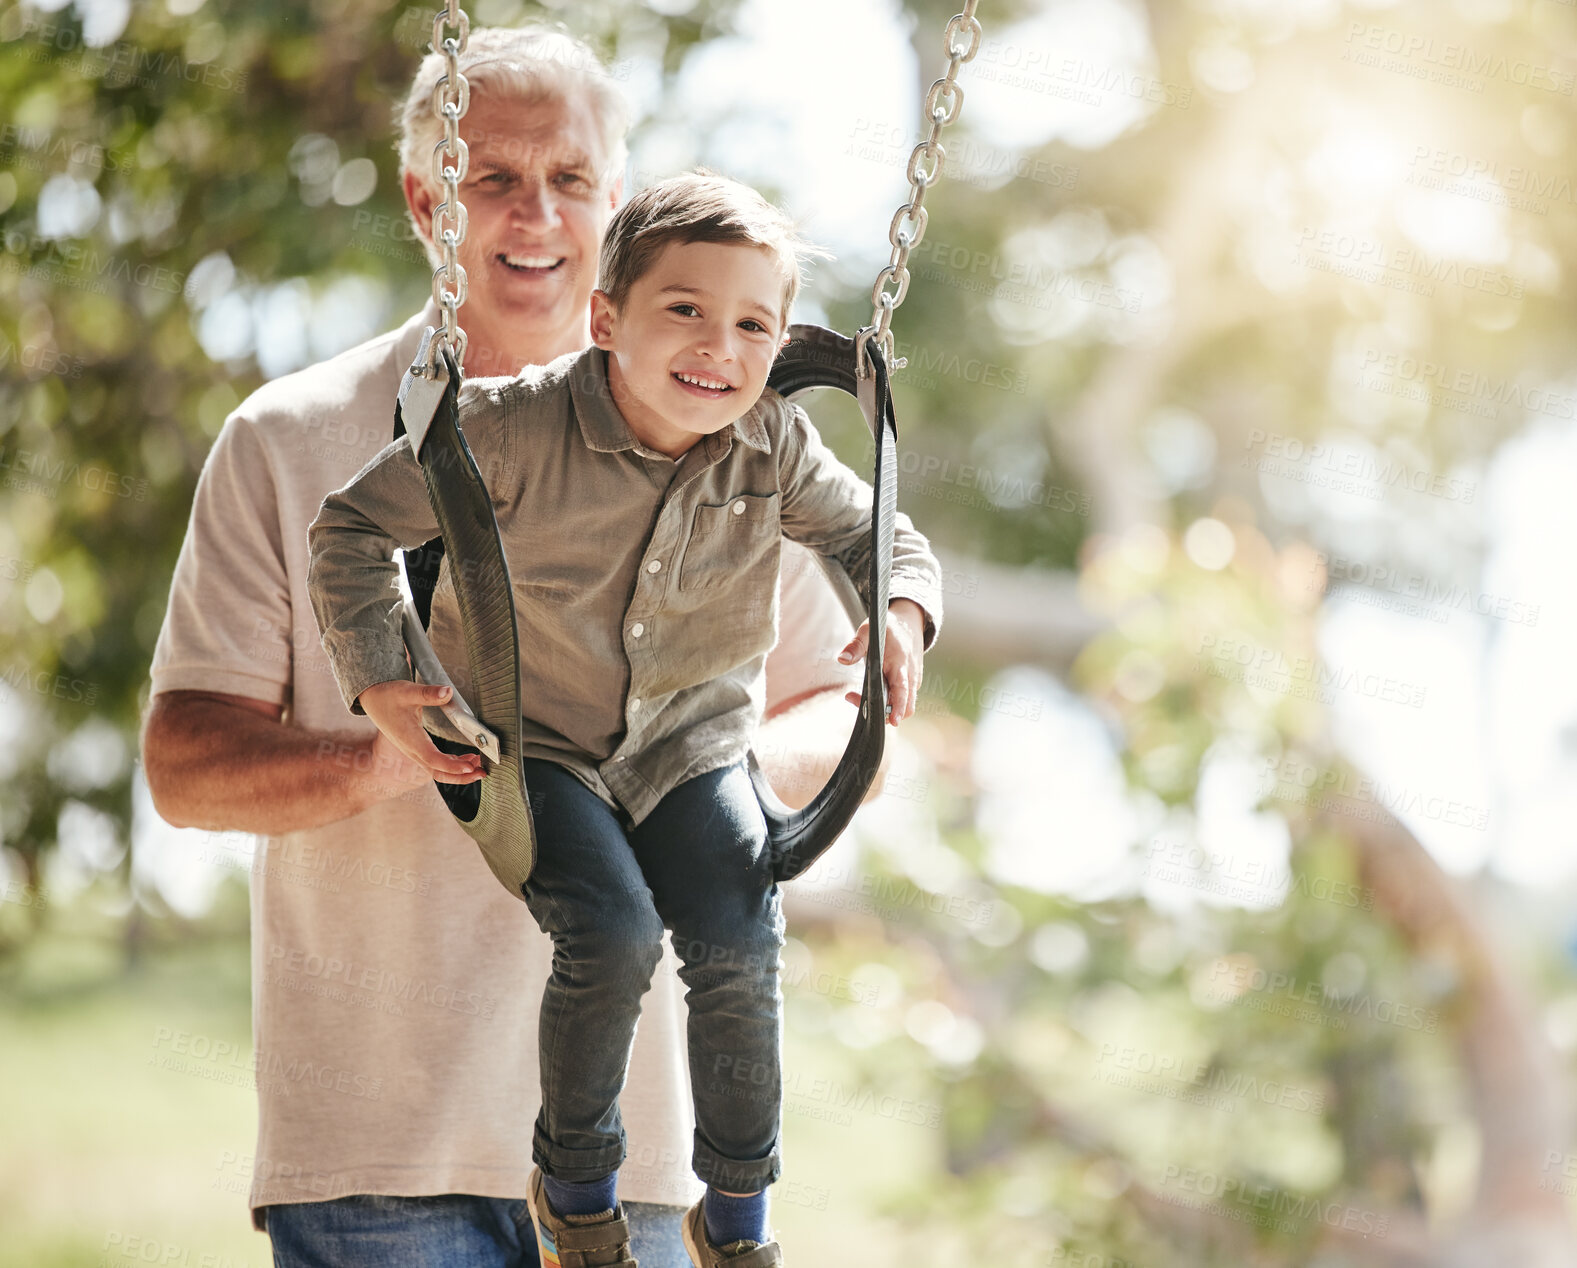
point(603, 318)
point(419, 198)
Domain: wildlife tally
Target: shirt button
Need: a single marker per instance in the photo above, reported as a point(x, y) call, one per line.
point(637, 630)
point(655, 566)
point(739, 508)
point(635, 703)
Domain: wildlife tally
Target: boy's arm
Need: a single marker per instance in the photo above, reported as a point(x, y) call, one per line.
point(352, 579)
point(826, 507)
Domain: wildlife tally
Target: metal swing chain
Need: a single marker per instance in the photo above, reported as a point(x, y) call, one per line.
point(942, 105)
point(451, 99)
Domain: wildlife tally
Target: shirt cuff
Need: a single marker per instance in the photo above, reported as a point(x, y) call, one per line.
point(930, 610)
point(364, 661)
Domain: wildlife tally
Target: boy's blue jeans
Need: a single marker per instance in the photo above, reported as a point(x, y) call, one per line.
point(698, 865)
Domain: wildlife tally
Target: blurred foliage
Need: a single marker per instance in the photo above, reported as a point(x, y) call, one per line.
point(223, 131)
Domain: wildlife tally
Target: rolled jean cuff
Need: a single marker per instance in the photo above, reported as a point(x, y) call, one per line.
point(733, 1176)
point(576, 1166)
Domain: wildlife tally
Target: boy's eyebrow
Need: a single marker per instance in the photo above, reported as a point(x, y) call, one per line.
point(695, 290)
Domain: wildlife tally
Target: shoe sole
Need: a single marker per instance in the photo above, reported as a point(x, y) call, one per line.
point(543, 1253)
point(690, 1246)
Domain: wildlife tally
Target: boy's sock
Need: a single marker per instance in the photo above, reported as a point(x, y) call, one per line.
point(730, 1220)
point(592, 1198)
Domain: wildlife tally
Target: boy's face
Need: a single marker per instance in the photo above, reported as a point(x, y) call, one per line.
point(690, 347)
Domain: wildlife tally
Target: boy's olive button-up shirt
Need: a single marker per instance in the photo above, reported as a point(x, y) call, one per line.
point(645, 587)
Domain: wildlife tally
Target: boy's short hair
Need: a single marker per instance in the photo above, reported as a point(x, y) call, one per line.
point(699, 206)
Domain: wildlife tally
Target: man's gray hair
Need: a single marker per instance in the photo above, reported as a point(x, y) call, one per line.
point(531, 63)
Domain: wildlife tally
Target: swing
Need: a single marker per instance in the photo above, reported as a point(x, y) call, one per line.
point(495, 810)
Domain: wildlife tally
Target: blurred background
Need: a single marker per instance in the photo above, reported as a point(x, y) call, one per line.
point(1220, 908)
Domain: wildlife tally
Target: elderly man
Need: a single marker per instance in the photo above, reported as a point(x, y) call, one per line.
point(396, 1063)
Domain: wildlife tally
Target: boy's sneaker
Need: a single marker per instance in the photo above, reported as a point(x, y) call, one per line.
point(735, 1255)
point(578, 1241)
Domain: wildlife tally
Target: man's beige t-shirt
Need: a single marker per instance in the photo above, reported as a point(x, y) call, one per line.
point(396, 984)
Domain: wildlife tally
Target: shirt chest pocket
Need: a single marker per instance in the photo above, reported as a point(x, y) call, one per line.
point(728, 540)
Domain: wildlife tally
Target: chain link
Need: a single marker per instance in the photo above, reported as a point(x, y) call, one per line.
point(943, 103)
point(451, 99)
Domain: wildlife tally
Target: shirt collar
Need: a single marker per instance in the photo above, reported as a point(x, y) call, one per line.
point(604, 430)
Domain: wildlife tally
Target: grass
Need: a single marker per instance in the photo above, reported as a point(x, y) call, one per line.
point(112, 1159)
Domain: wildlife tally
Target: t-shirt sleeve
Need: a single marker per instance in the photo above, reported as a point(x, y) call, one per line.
point(815, 628)
point(228, 624)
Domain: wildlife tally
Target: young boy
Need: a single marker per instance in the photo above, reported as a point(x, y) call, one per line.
point(642, 488)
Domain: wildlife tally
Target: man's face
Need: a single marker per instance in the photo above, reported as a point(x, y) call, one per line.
point(690, 347)
point(537, 201)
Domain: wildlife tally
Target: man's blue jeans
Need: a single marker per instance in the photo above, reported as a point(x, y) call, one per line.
point(698, 864)
point(452, 1231)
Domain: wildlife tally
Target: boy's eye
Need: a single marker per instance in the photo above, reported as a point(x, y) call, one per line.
point(683, 310)
point(753, 326)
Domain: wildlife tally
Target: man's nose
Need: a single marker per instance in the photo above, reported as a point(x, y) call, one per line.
point(535, 206)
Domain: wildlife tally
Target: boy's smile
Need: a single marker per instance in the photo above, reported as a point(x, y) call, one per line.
point(690, 348)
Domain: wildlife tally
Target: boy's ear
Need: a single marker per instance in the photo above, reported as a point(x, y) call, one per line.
point(603, 317)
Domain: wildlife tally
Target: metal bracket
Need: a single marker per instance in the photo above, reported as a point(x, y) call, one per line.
point(422, 391)
point(424, 660)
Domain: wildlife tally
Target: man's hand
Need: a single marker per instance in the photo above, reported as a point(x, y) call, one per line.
point(396, 706)
point(901, 659)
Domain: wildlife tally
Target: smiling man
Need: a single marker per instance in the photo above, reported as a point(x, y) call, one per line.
point(394, 980)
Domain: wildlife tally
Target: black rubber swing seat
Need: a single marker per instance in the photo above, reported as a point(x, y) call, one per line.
point(495, 810)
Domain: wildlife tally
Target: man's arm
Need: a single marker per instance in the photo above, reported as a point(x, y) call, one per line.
point(227, 763)
point(808, 722)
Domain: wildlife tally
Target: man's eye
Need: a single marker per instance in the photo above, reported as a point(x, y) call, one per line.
point(571, 178)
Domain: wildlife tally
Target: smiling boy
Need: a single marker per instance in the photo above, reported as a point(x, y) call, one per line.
point(643, 536)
